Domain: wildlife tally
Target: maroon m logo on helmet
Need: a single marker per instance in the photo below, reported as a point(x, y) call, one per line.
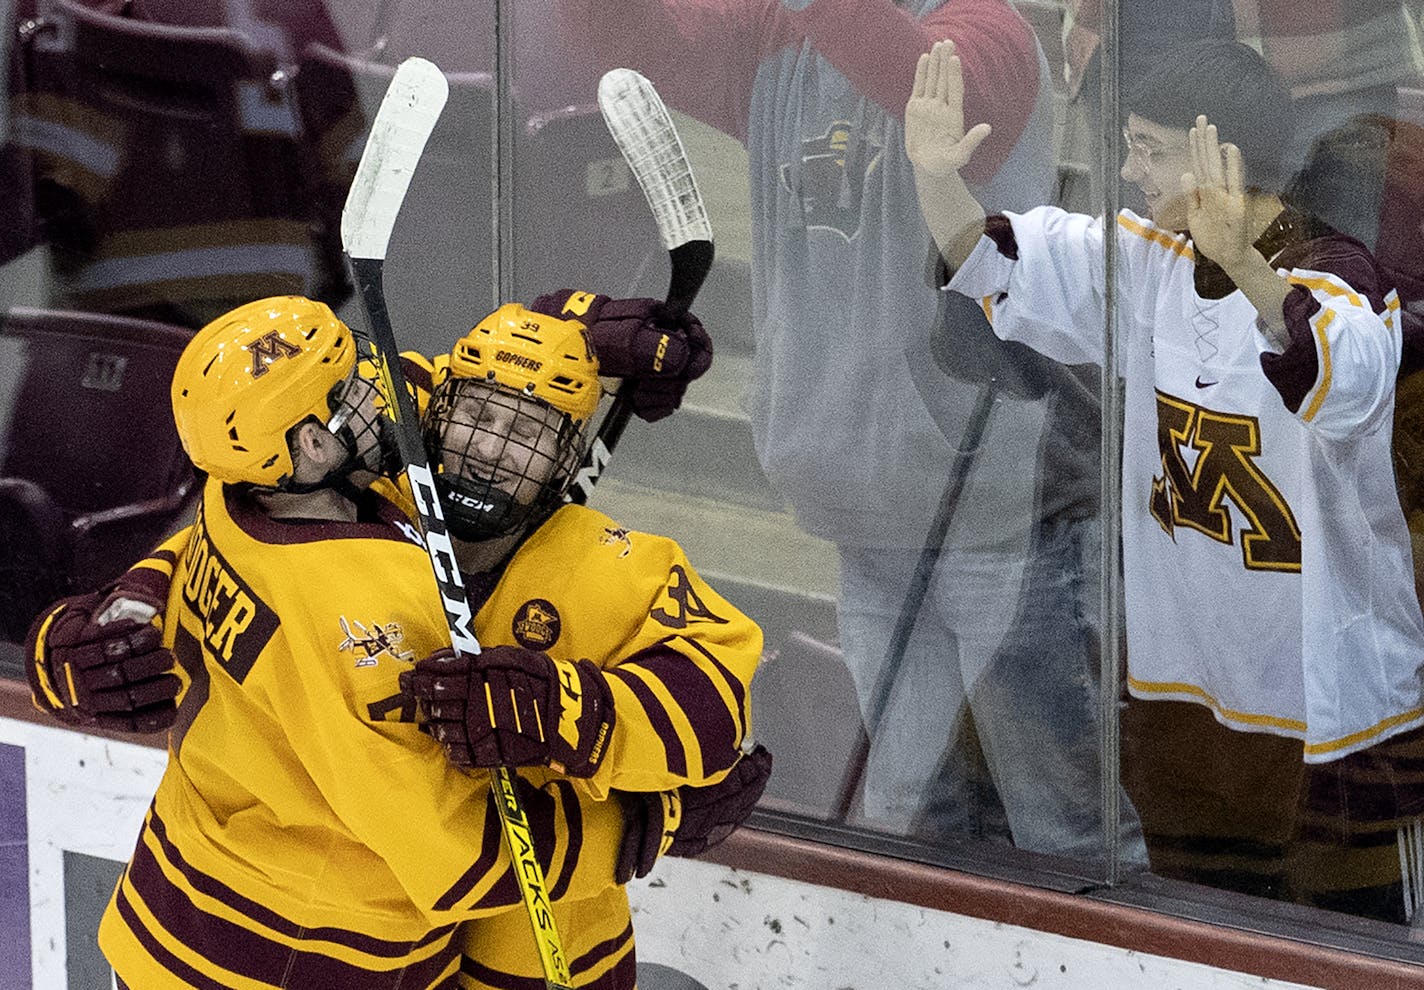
point(268, 348)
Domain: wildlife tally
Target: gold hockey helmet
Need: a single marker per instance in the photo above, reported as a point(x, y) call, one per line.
point(252, 374)
point(504, 426)
point(533, 353)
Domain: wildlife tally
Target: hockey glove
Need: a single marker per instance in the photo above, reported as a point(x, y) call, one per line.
point(514, 707)
point(689, 820)
point(636, 340)
point(115, 674)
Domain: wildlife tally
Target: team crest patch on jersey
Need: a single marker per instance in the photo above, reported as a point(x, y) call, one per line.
point(614, 536)
point(537, 624)
point(831, 176)
point(368, 644)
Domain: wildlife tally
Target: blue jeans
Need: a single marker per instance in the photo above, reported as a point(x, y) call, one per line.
point(1007, 637)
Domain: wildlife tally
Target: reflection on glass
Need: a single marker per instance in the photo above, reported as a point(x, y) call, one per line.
point(1274, 637)
point(907, 503)
point(957, 482)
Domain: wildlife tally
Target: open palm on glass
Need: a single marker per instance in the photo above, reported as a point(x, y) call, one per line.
point(1216, 199)
point(935, 138)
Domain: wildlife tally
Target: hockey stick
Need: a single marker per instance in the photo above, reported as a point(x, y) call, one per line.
point(403, 124)
point(925, 564)
point(644, 132)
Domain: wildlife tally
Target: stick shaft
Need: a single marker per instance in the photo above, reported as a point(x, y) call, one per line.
point(403, 123)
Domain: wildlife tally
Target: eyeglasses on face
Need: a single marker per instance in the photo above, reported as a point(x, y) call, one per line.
point(1148, 150)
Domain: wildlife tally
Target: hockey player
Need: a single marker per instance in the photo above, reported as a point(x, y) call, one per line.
point(305, 834)
point(608, 666)
point(1274, 640)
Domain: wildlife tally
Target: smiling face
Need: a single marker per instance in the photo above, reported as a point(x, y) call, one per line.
point(503, 439)
point(501, 457)
point(1157, 157)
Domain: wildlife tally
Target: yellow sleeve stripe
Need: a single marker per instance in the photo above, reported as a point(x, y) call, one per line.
point(1160, 237)
point(1230, 714)
point(1328, 285)
point(988, 303)
point(161, 565)
point(1321, 321)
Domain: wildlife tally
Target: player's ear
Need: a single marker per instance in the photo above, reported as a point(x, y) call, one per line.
point(314, 451)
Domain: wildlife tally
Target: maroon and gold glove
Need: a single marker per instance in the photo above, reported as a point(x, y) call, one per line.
point(639, 341)
point(514, 707)
point(113, 675)
point(689, 820)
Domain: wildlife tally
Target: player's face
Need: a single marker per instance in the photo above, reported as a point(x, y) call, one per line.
point(497, 436)
point(1157, 157)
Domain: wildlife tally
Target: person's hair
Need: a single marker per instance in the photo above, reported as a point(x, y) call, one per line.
point(1343, 179)
point(1234, 86)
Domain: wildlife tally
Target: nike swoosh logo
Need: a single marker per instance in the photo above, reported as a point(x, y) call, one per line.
point(1202, 384)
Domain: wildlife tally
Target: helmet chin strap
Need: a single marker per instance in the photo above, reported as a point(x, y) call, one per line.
point(478, 512)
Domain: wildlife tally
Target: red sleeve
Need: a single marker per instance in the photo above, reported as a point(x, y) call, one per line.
point(702, 55)
point(875, 45)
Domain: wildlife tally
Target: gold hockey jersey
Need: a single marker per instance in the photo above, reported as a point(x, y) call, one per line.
point(305, 833)
point(679, 657)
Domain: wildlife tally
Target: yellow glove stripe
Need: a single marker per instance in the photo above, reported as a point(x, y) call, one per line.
point(69, 683)
point(41, 666)
point(514, 707)
point(489, 703)
point(579, 302)
point(672, 818)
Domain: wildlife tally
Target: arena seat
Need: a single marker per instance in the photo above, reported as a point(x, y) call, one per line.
point(36, 557)
point(169, 168)
point(581, 218)
point(93, 474)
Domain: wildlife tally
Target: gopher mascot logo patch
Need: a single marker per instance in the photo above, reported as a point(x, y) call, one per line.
point(536, 624)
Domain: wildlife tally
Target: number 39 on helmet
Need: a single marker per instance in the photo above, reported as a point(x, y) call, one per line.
point(533, 353)
point(249, 376)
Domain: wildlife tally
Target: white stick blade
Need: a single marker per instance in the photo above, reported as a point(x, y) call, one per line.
point(643, 130)
point(403, 124)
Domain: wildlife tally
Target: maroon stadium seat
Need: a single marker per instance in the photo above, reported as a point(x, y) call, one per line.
point(91, 452)
point(35, 555)
point(170, 168)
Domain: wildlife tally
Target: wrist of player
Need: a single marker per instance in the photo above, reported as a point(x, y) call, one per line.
point(140, 595)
